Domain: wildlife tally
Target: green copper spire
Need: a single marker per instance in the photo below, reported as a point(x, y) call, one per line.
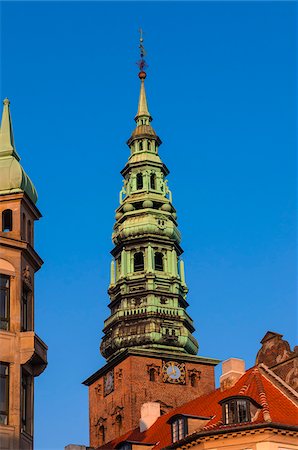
point(13, 178)
point(147, 288)
point(7, 146)
point(143, 117)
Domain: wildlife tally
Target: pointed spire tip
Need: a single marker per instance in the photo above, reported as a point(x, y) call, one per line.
point(6, 101)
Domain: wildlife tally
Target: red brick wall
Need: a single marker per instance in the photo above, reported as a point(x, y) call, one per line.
point(132, 388)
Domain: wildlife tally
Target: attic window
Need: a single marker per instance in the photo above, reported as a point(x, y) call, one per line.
point(236, 410)
point(7, 220)
point(179, 429)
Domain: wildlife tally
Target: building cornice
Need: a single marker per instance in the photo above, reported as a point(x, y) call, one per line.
point(150, 353)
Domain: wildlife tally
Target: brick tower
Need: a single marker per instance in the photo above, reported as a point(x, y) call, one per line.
point(148, 343)
point(23, 355)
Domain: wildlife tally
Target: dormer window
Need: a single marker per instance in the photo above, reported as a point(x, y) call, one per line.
point(179, 428)
point(236, 410)
point(124, 446)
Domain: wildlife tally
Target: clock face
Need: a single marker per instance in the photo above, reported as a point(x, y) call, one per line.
point(173, 372)
point(108, 382)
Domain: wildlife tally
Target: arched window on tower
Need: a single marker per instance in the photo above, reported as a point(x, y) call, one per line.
point(24, 226)
point(152, 374)
point(102, 434)
point(139, 181)
point(7, 220)
point(153, 181)
point(158, 261)
point(193, 380)
point(149, 145)
point(140, 146)
point(138, 260)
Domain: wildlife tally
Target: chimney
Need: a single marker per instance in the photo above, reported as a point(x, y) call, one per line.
point(150, 412)
point(232, 370)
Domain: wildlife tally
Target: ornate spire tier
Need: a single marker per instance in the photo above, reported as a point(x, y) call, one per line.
point(147, 288)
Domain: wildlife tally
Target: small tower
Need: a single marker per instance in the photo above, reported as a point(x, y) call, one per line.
point(148, 338)
point(23, 355)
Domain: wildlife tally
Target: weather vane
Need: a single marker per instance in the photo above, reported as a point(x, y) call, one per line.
point(142, 63)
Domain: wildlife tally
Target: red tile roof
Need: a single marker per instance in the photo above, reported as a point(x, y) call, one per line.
point(277, 408)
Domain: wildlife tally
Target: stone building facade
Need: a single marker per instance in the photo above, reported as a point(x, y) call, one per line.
point(23, 355)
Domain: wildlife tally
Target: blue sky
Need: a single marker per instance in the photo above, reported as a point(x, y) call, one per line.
point(221, 89)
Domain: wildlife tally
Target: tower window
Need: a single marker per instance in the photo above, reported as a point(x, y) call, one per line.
point(29, 232)
point(4, 393)
point(102, 433)
point(24, 227)
point(7, 220)
point(193, 380)
point(140, 145)
point(158, 261)
point(179, 429)
point(152, 374)
point(4, 302)
point(153, 181)
point(139, 181)
point(236, 410)
point(138, 260)
point(149, 145)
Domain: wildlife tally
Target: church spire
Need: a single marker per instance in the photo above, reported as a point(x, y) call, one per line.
point(7, 146)
point(142, 106)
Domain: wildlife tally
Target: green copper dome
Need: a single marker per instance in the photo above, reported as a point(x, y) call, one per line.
point(13, 178)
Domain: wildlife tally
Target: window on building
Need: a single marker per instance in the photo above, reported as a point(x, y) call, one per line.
point(149, 145)
point(138, 260)
point(140, 145)
point(158, 261)
point(29, 231)
point(26, 309)
point(4, 302)
point(4, 393)
point(7, 220)
point(102, 434)
point(179, 429)
point(152, 374)
point(124, 446)
point(24, 226)
point(236, 410)
point(153, 181)
point(139, 181)
point(193, 380)
point(26, 403)
point(118, 267)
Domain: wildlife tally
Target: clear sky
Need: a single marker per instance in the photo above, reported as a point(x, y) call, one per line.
point(221, 89)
